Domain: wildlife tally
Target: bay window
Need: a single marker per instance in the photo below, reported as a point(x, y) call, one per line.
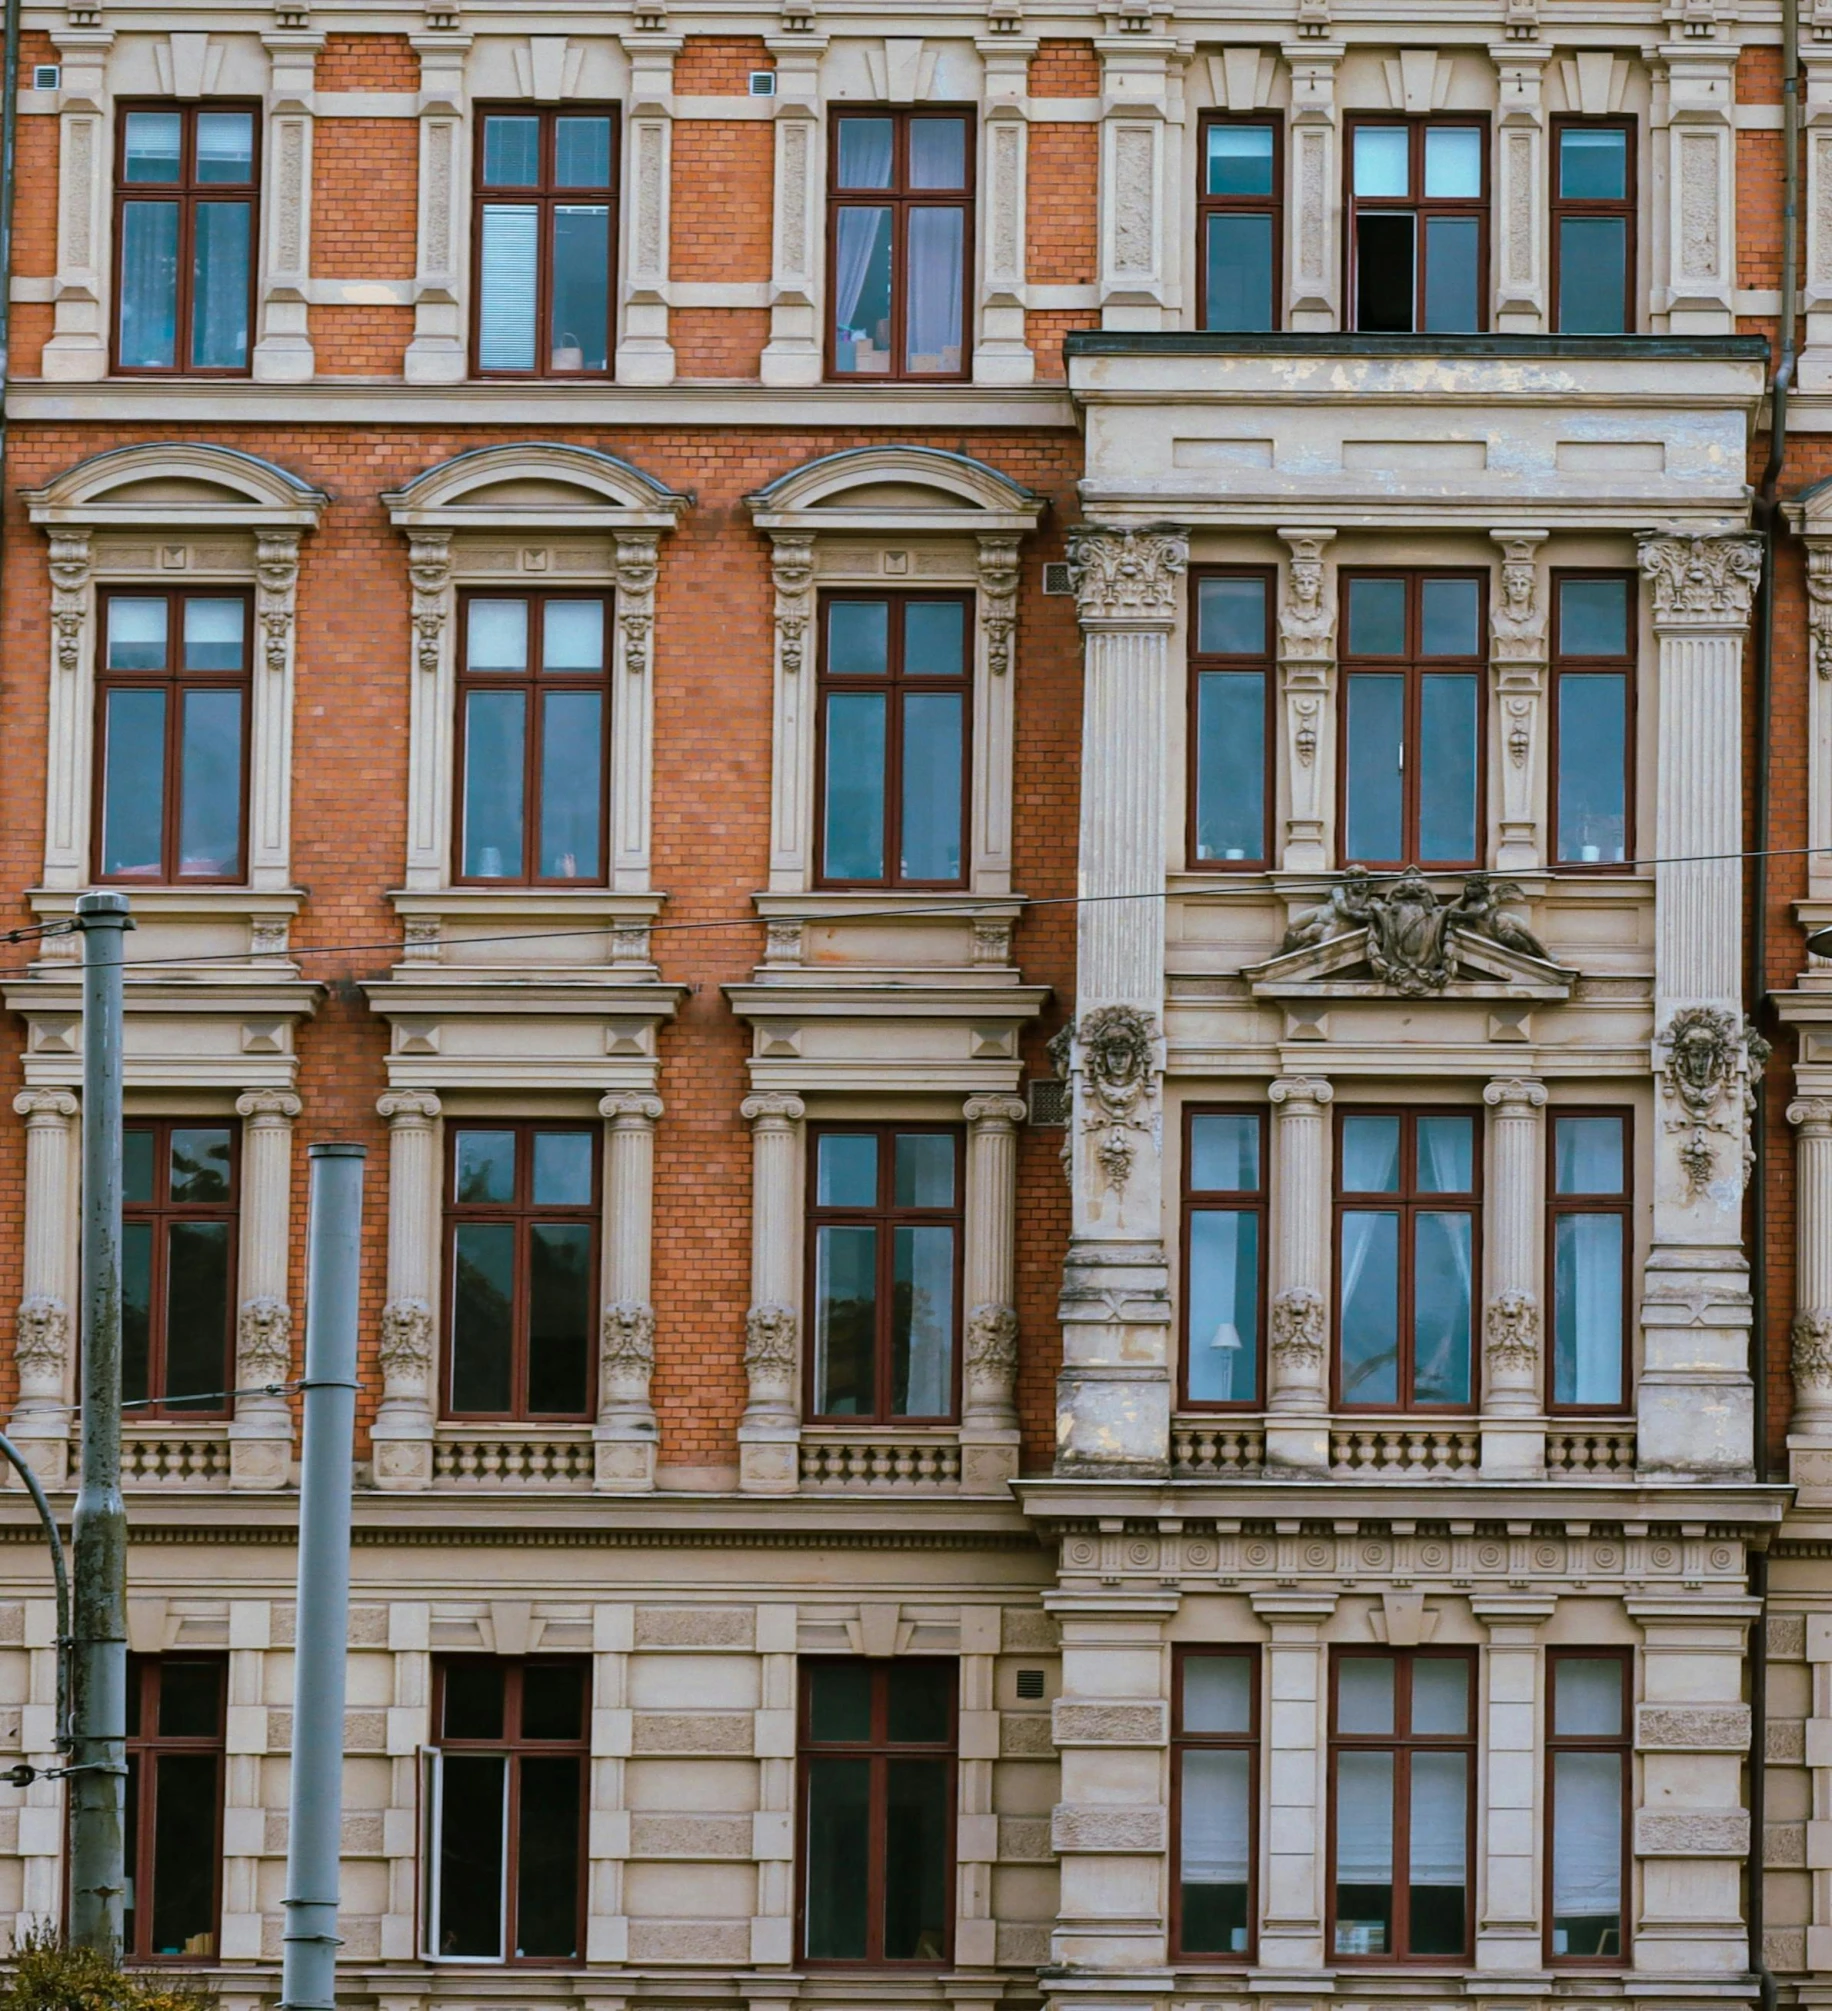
point(1239, 220)
point(1231, 691)
point(1224, 1255)
point(1593, 226)
point(1593, 667)
point(1418, 236)
point(1589, 1263)
point(1588, 1756)
point(1214, 1777)
point(179, 1206)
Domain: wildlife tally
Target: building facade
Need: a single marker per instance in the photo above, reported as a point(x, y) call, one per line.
point(1046, 785)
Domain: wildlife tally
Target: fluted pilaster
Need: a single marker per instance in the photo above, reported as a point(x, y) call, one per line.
point(1297, 1319)
point(261, 1436)
point(625, 1435)
point(770, 1432)
point(989, 1370)
point(46, 1320)
point(1811, 1118)
point(1513, 1327)
point(403, 1430)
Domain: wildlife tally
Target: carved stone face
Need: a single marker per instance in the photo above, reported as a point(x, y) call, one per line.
point(1697, 1058)
point(1118, 1054)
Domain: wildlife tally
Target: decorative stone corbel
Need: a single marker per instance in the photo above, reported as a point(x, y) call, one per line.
point(429, 567)
point(770, 1431)
point(998, 597)
point(1307, 649)
point(1517, 660)
point(792, 779)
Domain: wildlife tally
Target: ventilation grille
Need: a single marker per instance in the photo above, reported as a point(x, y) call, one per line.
point(47, 76)
point(1049, 1101)
point(1057, 578)
point(763, 83)
point(1030, 1684)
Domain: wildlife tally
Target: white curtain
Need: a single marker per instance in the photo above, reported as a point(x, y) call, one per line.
point(1439, 1841)
point(1362, 1234)
point(1590, 1309)
point(1586, 1833)
point(935, 271)
point(868, 165)
point(1214, 1818)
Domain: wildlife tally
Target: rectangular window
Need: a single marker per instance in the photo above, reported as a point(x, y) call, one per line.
point(534, 726)
point(1588, 1754)
point(900, 243)
point(179, 1203)
point(1214, 1769)
point(1231, 689)
point(1402, 1802)
point(171, 760)
point(186, 192)
point(1224, 1254)
point(1589, 1263)
point(1238, 221)
point(521, 1232)
point(1593, 668)
point(173, 1830)
point(543, 258)
point(884, 1264)
point(505, 1809)
point(1411, 780)
point(895, 705)
point(1406, 1258)
point(1593, 226)
point(1418, 241)
point(877, 1811)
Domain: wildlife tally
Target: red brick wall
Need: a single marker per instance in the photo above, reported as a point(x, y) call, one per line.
point(719, 66)
point(367, 63)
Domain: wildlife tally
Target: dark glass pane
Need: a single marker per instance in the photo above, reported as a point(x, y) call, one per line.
point(474, 1698)
point(1225, 1152)
point(1376, 730)
point(1370, 1155)
point(197, 1312)
point(149, 285)
point(562, 1169)
point(153, 141)
point(1449, 612)
point(1593, 163)
point(212, 634)
point(1369, 1261)
point(1231, 617)
point(922, 1322)
point(1224, 1306)
point(1587, 1801)
point(1377, 617)
point(1440, 1696)
point(1238, 274)
point(862, 291)
point(210, 786)
point(572, 635)
point(1231, 764)
point(1447, 767)
point(512, 151)
point(494, 773)
point(916, 1860)
point(934, 638)
point(845, 1320)
point(580, 334)
point(1453, 162)
point(839, 1701)
point(918, 1702)
point(1452, 274)
point(1364, 1853)
point(936, 272)
point(219, 285)
point(1588, 1311)
point(1441, 1286)
point(1385, 294)
point(1587, 1155)
point(938, 153)
point(483, 1287)
point(136, 632)
point(559, 1316)
point(136, 1311)
point(137, 1165)
point(133, 783)
point(225, 146)
point(1593, 275)
point(190, 1699)
point(1438, 1849)
point(1446, 1155)
point(471, 1836)
point(553, 1700)
point(858, 638)
point(855, 779)
point(185, 1868)
point(933, 761)
point(547, 1869)
point(508, 285)
point(1383, 161)
point(847, 1170)
point(582, 153)
point(1217, 1693)
point(572, 784)
point(1215, 1833)
point(865, 153)
point(484, 1166)
point(1239, 160)
point(923, 1175)
point(1593, 617)
point(1366, 1688)
point(496, 635)
point(1592, 767)
point(839, 1853)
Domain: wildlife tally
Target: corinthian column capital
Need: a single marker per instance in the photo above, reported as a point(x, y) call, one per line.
point(1701, 580)
point(1128, 577)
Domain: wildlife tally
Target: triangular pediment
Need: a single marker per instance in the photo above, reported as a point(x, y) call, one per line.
point(1340, 968)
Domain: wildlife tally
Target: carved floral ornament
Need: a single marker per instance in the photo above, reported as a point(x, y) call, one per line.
point(1411, 930)
point(1701, 579)
point(1114, 1052)
point(264, 1341)
point(1710, 1065)
point(1511, 1333)
point(1128, 577)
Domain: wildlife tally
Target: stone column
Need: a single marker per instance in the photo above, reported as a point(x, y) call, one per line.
point(1508, 1931)
point(79, 344)
point(1140, 184)
point(1113, 1396)
point(261, 1436)
point(1513, 1422)
point(1700, 143)
point(1812, 1332)
point(1694, 1401)
point(1517, 668)
point(1314, 173)
point(989, 1415)
point(437, 353)
point(1819, 631)
point(644, 353)
point(1297, 1320)
point(283, 348)
point(1307, 651)
point(794, 351)
point(625, 1435)
point(1520, 235)
point(1001, 355)
point(402, 1435)
point(1296, 1747)
point(41, 1417)
point(770, 1433)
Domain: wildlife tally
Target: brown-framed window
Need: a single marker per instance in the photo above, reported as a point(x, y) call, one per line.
point(1408, 1253)
point(1239, 221)
point(1231, 691)
point(1593, 226)
point(1589, 1757)
point(900, 243)
point(180, 1201)
point(1413, 665)
point(1224, 1255)
point(1419, 221)
point(1592, 1235)
point(884, 1253)
point(1593, 718)
point(171, 756)
point(895, 728)
point(1402, 1768)
point(173, 1831)
point(521, 1242)
point(1215, 1801)
point(187, 192)
point(504, 1800)
point(534, 736)
point(546, 203)
point(878, 1749)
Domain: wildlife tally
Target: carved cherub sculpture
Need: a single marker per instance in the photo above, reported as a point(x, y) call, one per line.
point(1348, 907)
point(1477, 911)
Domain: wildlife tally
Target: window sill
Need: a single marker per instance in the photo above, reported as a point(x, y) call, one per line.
point(476, 928)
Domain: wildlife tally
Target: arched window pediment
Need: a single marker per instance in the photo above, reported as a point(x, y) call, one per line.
point(527, 484)
point(178, 486)
point(896, 489)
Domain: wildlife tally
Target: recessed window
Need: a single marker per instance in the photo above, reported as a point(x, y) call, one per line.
point(1224, 1255)
point(1588, 1754)
point(173, 1831)
point(1231, 685)
point(1591, 1236)
point(1593, 226)
point(179, 1205)
point(186, 192)
point(1238, 220)
point(546, 196)
point(1214, 1769)
point(1593, 667)
point(1419, 225)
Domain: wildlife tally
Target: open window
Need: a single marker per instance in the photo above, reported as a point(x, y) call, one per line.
point(1419, 203)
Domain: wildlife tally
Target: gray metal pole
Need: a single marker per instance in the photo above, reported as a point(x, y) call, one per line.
point(98, 1671)
point(308, 1979)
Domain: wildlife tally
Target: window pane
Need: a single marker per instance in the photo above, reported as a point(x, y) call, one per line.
point(916, 1860)
point(581, 286)
point(1370, 1307)
point(1593, 617)
point(839, 1854)
point(1231, 617)
point(1447, 767)
point(932, 763)
point(485, 1169)
point(136, 633)
point(559, 1315)
point(572, 634)
point(225, 146)
point(1385, 283)
point(474, 1698)
point(562, 1169)
point(1215, 1838)
point(133, 783)
point(219, 285)
point(212, 634)
point(547, 1869)
point(1223, 1306)
point(1377, 617)
point(1452, 274)
point(862, 290)
point(938, 153)
point(1364, 1694)
point(149, 285)
point(581, 153)
point(1231, 765)
point(512, 151)
point(922, 1322)
point(1587, 1155)
point(572, 784)
point(136, 1166)
point(1453, 161)
point(1439, 1852)
point(1592, 767)
point(1587, 1853)
point(1587, 1324)
point(845, 1320)
point(936, 271)
point(473, 1812)
point(1441, 1308)
point(1586, 1697)
point(210, 786)
point(1225, 1152)
point(152, 145)
point(197, 1312)
point(848, 1170)
point(494, 773)
point(839, 1701)
point(1217, 1693)
point(854, 837)
point(199, 1166)
point(865, 153)
point(1440, 1696)
point(553, 1700)
point(496, 634)
point(1239, 160)
point(1446, 1155)
point(136, 1311)
point(1383, 161)
point(858, 638)
point(1448, 611)
point(1593, 164)
point(483, 1290)
point(185, 1864)
point(917, 1698)
point(1238, 274)
point(1593, 275)
point(934, 638)
point(1376, 806)
point(508, 291)
point(924, 1176)
point(1364, 1853)
point(1370, 1155)
point(190, 1699)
